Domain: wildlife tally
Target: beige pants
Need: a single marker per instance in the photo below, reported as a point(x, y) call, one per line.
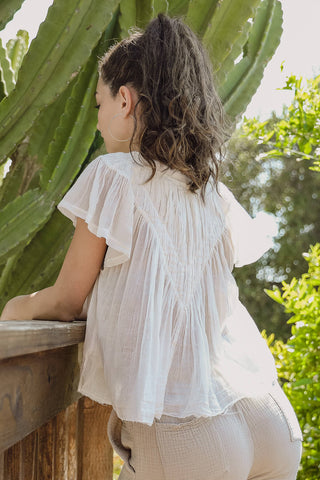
point(257, 439)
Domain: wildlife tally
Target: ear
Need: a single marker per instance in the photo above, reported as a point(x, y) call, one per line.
point(128, 99)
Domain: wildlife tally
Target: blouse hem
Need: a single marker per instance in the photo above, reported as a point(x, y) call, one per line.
point(189, 413)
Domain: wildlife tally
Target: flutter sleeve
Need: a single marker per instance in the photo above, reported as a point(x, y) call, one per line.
point(251, 237)
point(103, 197)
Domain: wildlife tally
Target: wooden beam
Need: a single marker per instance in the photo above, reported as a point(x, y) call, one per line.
point(47, 432)
point(28, 457)
point(34, 388)
point(71, 446)
point(45, 456)
point(61, 446)
point(23, 337)
point(95, 453)
point(12, 463)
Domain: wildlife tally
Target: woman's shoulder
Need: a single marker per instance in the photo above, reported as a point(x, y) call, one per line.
point(121, 162)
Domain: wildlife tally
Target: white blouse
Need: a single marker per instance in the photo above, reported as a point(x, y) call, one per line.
point(166, 332)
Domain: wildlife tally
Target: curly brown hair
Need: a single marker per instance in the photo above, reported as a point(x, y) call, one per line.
point(182, 118)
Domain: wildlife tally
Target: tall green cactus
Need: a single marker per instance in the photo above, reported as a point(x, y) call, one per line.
point(48, 125)
point(239, 82)
point(55, 57)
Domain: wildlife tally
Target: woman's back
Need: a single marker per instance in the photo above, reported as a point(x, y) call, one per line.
point(161, 315)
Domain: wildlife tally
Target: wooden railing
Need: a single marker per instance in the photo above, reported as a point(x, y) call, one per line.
point(47, 430)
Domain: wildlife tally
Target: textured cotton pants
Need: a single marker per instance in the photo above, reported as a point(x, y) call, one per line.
point(256, 439)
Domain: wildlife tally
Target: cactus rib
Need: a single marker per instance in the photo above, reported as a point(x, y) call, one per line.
point(44, 63)
point(133, 12)
point(160, 6)
point(41, 259)
point(226, 27)
point(243, 80)
point(178, 7)
point(6, 72)
point(21, 219)
point(81, 108)
point(43, 130)
point(200, 13)
point(7, 10)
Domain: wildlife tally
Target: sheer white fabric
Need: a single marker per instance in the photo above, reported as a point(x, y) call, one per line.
point(166, 333)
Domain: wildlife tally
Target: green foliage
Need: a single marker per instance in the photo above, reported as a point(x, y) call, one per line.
point(117, 465)
point(270, 164)
point(290, 191)
point(297, 133)
point(47, 119)
point(298, 360)
point(268, 168)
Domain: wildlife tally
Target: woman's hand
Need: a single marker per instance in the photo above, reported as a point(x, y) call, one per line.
point(42, 305)
point(16, 309)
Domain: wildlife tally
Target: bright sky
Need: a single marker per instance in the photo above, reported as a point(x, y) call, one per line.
point(299, 48)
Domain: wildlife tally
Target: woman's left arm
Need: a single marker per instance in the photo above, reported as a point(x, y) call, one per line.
point(65, 299)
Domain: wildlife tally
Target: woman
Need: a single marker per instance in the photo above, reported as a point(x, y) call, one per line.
point(192, 384)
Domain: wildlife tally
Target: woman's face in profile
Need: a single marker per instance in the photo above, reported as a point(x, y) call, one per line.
point(108, 113)
point(115, 120)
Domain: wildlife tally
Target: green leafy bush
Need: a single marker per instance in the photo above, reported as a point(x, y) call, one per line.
point(298, 360)
point(296, 134)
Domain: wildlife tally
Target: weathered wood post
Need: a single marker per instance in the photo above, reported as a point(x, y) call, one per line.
point(47, 431)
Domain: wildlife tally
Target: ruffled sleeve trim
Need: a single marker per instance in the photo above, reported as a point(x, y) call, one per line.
point(251, 237)
point(103, 197)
